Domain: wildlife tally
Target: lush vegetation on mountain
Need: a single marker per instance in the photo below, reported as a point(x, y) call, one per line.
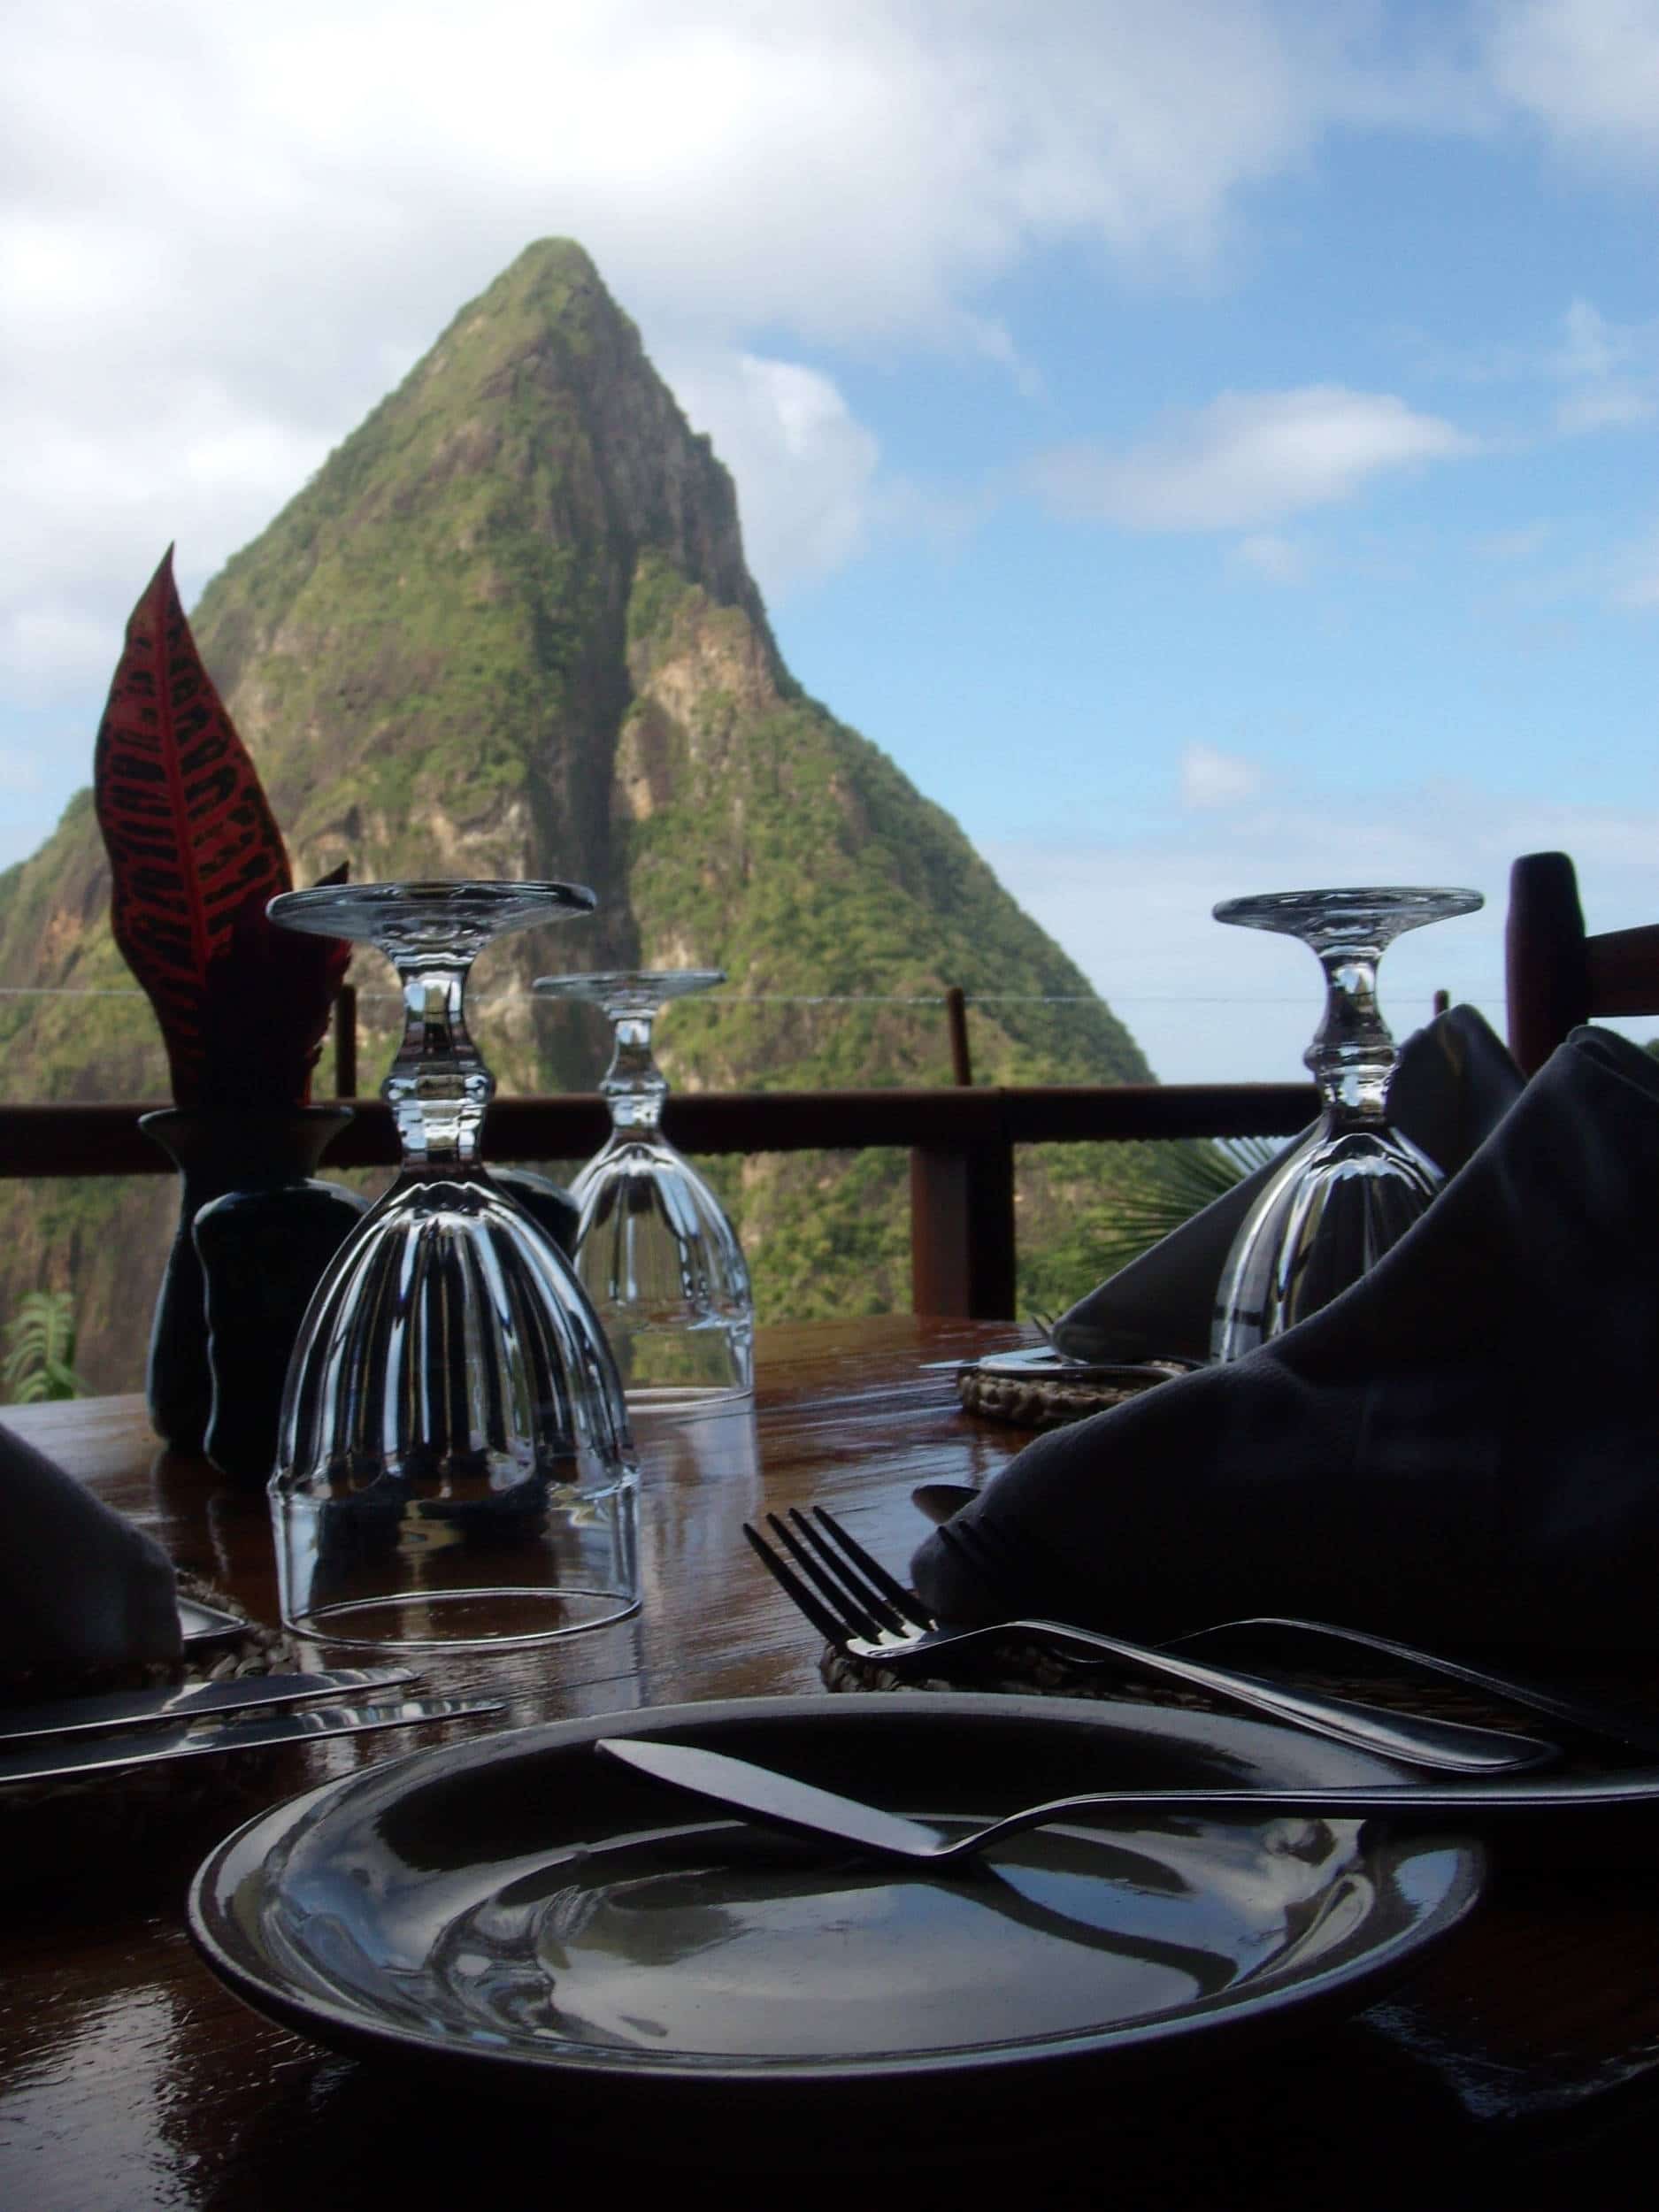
point(507, 630)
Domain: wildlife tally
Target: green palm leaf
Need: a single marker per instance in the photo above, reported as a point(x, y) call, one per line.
point(1185, 1177)
point(40, 1339)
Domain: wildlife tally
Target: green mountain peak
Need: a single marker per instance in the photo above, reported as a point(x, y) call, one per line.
point(507, 630)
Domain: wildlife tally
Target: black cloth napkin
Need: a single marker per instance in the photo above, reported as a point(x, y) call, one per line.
point(1453, 1083)
point(1463, 1449)
point(82, 1590)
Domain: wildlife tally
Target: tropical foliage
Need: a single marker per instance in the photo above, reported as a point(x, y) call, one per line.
point(1184, 1178)
point(507, 630)
point(40, 1354)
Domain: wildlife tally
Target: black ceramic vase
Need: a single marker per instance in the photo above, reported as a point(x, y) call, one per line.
point(232, 1298)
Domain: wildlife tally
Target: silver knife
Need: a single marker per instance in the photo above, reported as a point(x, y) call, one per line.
point(149, 1747)
point(782, 1801)
point(129, 1709)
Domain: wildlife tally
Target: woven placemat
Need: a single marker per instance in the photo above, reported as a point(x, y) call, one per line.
point(1050, 1401)
point(48, 1822)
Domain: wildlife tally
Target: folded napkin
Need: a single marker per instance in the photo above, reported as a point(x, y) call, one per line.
point(82, 1590)
point(1463, 1449)
point(1453, 1083)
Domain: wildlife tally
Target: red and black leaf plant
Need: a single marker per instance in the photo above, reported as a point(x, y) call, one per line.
point(194, 856)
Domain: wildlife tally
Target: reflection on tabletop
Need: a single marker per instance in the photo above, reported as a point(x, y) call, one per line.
point(128, 2073)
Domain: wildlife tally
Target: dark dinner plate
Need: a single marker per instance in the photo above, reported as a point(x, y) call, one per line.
point(1040, 1363)
point(522, 1911)
point(204, 1627)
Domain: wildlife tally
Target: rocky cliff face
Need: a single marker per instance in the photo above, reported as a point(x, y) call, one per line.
point(508, 631)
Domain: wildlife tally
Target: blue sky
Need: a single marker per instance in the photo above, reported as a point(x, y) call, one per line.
point(1210, 449)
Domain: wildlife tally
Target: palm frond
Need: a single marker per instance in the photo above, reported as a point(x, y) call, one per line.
point(1184, 1178)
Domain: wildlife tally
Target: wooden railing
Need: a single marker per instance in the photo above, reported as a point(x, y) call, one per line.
point(961, 1141)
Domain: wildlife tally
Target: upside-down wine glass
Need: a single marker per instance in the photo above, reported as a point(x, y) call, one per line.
point(454, 1465)
point(654, 1249)
point(1354, 1184)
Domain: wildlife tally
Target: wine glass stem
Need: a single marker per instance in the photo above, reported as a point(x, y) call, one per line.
point(439, 1085)
point(1352, 1056)
point(633, 1083)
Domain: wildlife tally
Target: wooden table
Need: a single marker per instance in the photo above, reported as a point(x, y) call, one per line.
point(1524, 2052)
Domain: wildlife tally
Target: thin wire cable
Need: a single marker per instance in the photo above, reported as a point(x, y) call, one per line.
point(824, 998)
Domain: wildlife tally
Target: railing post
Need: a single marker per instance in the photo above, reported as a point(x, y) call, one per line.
point(346, 1042)
point(1546, 973)
point(961, 1230)
point(957, 1023)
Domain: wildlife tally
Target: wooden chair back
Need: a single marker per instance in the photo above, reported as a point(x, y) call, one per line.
point(1556, 975)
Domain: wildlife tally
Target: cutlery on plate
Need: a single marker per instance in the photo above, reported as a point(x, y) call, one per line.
point(779, 1800)
point(939, 1502)
point(851, 1598)
point(153, 1746)
point(1596, 1718)
point(130, 1709)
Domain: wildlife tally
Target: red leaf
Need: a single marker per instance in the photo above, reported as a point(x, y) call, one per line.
point(265, 1009)
point(195, 854)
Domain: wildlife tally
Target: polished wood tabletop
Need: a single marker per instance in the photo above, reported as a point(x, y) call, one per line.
point(1522, 2052)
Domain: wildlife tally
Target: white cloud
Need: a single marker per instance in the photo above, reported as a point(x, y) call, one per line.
point(19, 770)
point(805, 469)
point(1273, 559)
point(1606, 373)
point(1609, 407)
point(1209, 777)
point(849, 171)
point(92, 504)
point(1592, 348)
point(942, 517)
point(45, 645)
point(1602, 362)
point(223, 234)
point(1546, 595)
point(1208, 1003)
point(1249, 458)
point(1640, 587)
point(1589, 70)
point(19, 839)
point(1515, 545)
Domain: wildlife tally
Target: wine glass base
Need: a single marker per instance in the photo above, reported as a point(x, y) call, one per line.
point(683, 1398)
point(419, 1566)
point(1371, 915)
point(689, 1364)
point(458, 1620)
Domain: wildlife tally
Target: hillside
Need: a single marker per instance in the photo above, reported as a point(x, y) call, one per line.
point(507, 630)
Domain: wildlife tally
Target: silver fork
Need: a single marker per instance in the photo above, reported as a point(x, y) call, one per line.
point(851, 1598)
